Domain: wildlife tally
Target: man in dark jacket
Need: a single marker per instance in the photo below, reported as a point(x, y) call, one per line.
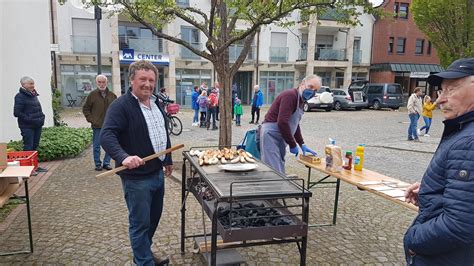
point(97, 103)
point(135, 127)
point(443, 231)
point(30, 115)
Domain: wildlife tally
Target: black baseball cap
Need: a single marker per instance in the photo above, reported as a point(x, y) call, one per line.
point(458, 69)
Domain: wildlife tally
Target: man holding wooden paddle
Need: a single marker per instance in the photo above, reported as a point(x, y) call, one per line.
point(135, 127)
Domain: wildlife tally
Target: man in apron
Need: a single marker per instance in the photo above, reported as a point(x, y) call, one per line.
point(281, 125)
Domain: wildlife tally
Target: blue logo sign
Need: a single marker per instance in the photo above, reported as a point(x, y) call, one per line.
point(128, 54)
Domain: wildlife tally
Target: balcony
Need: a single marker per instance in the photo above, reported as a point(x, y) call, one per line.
point(303, 54)
point(84, 44)
point(357, 57)
point(187, 54)
point(332, 14)
point(279, 54)
point(145, 45)
point(331, 55)
point(235, 50)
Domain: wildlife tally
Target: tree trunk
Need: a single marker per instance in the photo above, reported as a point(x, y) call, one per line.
point(225, 106)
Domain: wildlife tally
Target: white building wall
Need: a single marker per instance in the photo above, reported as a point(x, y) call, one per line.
point(67, 12)
point(25, 52)
point(365, 34)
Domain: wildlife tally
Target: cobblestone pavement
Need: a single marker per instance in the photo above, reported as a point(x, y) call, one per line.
point(80, 219)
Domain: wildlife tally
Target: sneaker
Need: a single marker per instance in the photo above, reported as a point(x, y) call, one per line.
point(410, 139)
point(107, 167)
point(417, 140)
point(98, 168)
point(41, 170)
point(427, 135)
point(251, 122)
point(418, 132)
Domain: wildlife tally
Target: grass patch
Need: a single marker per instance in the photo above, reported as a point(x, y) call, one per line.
point(8, 208)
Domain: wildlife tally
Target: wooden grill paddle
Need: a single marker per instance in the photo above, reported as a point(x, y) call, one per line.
point(150, 157)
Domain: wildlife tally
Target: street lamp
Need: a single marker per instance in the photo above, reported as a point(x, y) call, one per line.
point(98, 17)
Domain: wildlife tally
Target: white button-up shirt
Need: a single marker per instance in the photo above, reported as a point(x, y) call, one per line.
point(156, 125)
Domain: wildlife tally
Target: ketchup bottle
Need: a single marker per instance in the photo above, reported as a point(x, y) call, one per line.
point(348, 157)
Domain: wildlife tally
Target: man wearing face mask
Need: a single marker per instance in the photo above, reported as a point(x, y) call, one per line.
point(281, 125)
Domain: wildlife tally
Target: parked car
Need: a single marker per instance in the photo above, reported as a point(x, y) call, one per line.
point(384, 95)
point(345, 99)
point(321, 99)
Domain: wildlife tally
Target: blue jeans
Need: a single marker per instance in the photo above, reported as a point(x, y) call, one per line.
point(96, 149)
point(31, 138)
point(195, 117)
point(413, 125)
point(237, 120)
point(144, 198)
point(427, 124)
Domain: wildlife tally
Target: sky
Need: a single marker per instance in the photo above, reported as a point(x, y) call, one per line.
point(376, 2)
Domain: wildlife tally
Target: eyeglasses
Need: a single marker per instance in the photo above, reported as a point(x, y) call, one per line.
point(446, 92)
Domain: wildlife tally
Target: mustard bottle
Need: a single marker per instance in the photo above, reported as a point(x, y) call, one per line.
point(359, 157)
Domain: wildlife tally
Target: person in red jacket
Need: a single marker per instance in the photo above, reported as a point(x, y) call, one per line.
point(213, 102)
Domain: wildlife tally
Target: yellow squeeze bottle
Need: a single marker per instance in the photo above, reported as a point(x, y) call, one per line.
point(359, 158)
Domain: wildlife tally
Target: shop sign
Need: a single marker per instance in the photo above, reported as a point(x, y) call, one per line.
point(130, 55)
point(419, 75)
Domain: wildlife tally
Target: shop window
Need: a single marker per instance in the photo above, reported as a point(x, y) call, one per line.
point(186, 79)
point(273, 83)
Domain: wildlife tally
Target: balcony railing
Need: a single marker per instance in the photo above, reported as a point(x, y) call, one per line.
point(357, 57)
point(146, 45)
point(187, 54)
point(279, 54)
point(84, 44)
point(303, 54)
point(332, 14)
point(235, 50)
point(331, 55)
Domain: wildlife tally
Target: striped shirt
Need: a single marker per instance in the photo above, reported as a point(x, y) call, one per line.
point(156, 125)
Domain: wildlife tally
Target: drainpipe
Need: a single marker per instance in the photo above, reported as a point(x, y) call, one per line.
point(53, 53)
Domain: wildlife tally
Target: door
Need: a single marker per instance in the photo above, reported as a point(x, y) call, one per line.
point(243, 81)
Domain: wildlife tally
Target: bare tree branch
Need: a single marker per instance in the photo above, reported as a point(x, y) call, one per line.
point(243, 55)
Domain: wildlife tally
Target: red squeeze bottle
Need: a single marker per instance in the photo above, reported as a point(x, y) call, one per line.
point(348, 166)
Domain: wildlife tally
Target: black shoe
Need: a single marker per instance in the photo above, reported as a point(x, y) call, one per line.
point(214, 128)
point(41, 170)
point(165, 260)
point(98, 168)
point(251, 122)
point(107, 167)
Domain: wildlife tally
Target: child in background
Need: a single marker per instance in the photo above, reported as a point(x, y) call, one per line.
point(202, 103)
point(428, 108)
point(238, 111)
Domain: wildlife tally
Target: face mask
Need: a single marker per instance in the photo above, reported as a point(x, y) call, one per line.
point(307, 94)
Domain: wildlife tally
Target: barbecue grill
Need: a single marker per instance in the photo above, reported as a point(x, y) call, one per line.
point(258, 207)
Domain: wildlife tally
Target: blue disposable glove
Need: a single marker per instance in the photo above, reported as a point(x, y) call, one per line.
point(305, 149)
point(295, 150)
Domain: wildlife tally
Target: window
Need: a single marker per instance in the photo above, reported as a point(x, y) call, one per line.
point(419, 46)
point(182, 3)
point(428, 49)
point(139, 39)
point(394, 89)
point(400, 10)
point(401, 45)
point(375, 89)
point(391, 40)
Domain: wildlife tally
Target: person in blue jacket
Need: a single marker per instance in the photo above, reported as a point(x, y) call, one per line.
point(27, 109)
point(135, 126)
point(443, 231)
point(195, 106)
point(257, 102)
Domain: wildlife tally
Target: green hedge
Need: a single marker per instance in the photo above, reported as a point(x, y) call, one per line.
point(59, 142)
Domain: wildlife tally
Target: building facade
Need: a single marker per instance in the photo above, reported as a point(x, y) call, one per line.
point(401, 53)
point(25, 52)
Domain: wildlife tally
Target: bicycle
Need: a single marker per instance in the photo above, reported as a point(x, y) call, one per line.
point(175, 126)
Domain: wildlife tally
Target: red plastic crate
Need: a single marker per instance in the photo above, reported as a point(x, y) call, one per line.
point(172, 108)
point(26, 158)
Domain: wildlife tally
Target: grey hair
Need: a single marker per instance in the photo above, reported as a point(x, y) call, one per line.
point(256, 87)
point(26, 79)
point(312, 76)
point(101, 76)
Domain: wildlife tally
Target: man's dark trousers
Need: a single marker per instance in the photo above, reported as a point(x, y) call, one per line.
point(31, 138)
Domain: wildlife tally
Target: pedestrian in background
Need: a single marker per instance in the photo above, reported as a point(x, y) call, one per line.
point(195, 106)
point(95, 108)
point(238, 111)
point(27, 108)
point(428, 108)
point(213, 102)
point(415, 109)
point(202, 103)
point(443, 231)
point(257, 102)
point(234, 96)
point(217, 89)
